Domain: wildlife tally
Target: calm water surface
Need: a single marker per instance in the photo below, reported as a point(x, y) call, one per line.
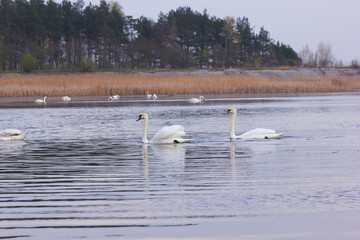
point(84, 173)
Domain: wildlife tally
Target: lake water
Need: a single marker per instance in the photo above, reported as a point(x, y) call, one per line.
point(83, 173)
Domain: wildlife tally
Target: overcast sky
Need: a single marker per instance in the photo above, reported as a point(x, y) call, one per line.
point(293, 22)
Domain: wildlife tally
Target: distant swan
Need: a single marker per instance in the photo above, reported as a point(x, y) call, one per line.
point(149, 96)
point(66, 98)
point(196, 100)
point(257, 133)
point(169, 134)
point(12, 134)
point(114, 97)
point(41, 100)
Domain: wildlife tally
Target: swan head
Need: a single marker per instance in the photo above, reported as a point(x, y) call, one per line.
point(231, 110)
point(45, 97)
point(201, 98)
point(142, 116)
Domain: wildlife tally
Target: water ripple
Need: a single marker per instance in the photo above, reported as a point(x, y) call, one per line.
point(97, 174)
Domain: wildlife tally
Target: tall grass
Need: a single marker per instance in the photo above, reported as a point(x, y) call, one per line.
point(94, 84)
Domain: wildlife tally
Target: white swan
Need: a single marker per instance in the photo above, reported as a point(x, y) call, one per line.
point(114, 97)
point(66, 98)
point(12, 134)
point(169, 134)
point(41, 100)
point(257, 133)
point(196, 100)
point(148, 95)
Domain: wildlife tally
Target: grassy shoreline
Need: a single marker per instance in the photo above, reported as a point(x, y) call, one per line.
point(100, 84)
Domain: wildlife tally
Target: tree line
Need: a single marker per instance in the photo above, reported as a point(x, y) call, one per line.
point(72, 36)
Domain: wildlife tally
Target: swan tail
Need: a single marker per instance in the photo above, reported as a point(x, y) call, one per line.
point(274, 136)
point(181, 140)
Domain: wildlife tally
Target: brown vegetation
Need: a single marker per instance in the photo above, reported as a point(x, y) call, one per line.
point(95, 84)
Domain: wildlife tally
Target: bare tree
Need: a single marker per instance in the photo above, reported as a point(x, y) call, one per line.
point(323, 55)
point(229, 31)
point(114, 5)
point(355, 63)
point(307, 56)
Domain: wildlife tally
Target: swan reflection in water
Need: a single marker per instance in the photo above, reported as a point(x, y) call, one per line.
point(163, 158)
point(241, 153)
point(13, 147)
point(146, 165)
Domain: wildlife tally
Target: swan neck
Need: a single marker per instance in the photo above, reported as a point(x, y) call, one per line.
point(232, 126)
point(144, 135)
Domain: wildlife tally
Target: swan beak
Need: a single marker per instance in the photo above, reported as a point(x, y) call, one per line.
point(139, 118)
point(227, 112)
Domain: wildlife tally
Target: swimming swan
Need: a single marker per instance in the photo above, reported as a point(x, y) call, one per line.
point(40, 100)
point(114, 97)
point(66, 98)
point(196, 100)
point(12, 134)
point(169, 134)
point(148, 95)
point(257, 133)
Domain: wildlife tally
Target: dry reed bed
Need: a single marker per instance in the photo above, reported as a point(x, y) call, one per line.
point(136, 84)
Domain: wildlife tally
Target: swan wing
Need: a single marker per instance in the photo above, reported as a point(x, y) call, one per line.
point(194, 100)
point(258, 133)
point(169, 134)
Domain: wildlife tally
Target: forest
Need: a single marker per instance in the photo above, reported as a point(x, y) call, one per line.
point(70, 36)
